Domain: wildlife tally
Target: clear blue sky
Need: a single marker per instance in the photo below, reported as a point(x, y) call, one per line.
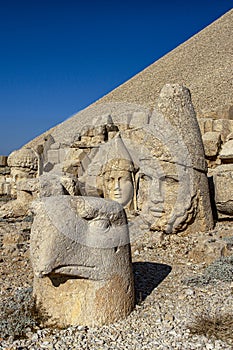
point(59, 56)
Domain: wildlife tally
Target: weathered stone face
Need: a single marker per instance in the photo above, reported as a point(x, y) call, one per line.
point(157, 194)
point(23, 166)
point(82, 239)
point(23, 163)
point(193, 202)
point(150, 162)
point(81, 256)
point(118, 186)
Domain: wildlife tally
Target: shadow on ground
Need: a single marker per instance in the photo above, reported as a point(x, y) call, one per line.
point(148, 276)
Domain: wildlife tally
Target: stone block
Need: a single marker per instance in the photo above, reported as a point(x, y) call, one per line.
point(225, 127)
point(55, 145)
point(226, 153)
point(53, 156)
point(5, 188)
point(62, 154)
point(223, 184)
point(139, 119)
point(212, 142)
point(222, 112)
point(2, 189)
point(3, 160)
point(5, 170)
point(50, 185)
point(208, 125)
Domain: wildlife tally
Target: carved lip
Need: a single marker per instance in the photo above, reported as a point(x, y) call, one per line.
point(75, 270)
point(117, 195)
point(157, 212)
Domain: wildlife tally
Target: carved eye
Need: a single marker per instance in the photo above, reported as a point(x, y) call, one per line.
point(170, 179)
point(100, 224)
point(146, 178)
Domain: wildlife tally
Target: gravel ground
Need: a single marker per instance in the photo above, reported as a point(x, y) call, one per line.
point(171, 313)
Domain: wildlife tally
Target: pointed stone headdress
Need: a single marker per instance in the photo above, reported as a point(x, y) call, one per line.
point(117, 156)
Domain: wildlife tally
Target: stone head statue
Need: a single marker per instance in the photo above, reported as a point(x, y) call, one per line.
point(165, 198)
point(79, 236)
point(81, 260)
point(23, 163)
point(118, 181)
point(171, 199)
point(118, 174)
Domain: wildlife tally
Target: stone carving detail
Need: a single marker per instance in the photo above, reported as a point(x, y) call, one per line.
point(143, 160)
point(23, 165)
point(81, 259)
point(153, 169)
point(120, 159)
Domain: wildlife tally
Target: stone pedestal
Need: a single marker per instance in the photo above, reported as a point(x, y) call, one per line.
point(67, 301)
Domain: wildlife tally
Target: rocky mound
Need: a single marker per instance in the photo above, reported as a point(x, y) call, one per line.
point(203, 64)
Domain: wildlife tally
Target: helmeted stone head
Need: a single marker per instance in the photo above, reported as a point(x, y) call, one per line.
point(118, 174)
point(23, 163)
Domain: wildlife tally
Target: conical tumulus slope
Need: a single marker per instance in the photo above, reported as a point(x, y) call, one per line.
point(204, 64)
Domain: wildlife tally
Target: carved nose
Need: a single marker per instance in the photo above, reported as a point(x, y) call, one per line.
point(157, 199)
point(156, 194)
point(117, 184)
